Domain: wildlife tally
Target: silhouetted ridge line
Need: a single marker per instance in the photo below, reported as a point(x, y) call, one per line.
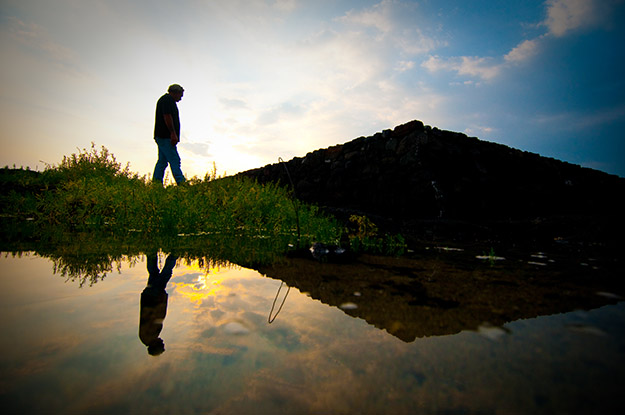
point(419, 172)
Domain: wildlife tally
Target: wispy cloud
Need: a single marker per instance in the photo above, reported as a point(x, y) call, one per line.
point(268, 78)
point(473, 66)
point(479, 130)
point(485, 68)
point(575, 120)
point(233, 103)
point(403, 66)
point(523, 51)
point(33, 37)
point(378, 16)
point(285, 5)
point(341, 74)
point(564, 16)
point(397, 24)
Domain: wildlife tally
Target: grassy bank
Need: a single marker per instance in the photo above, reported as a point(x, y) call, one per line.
point(90, 190)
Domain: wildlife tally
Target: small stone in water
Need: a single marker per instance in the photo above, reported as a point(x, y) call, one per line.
point(348, 306)
point(609, 295)
point(235, 328)
point(491, 332)
point(490, 257)
point(586, 329)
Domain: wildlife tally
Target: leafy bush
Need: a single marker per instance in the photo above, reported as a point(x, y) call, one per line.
point(88, 164)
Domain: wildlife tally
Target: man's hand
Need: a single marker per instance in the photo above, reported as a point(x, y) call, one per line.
point(173, 138)
point(169, 122)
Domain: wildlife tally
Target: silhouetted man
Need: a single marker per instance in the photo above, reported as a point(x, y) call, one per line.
point(154, 304)
point(167, 134)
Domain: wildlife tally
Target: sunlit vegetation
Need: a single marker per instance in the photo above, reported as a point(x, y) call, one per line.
point(90, 190)
point(89, 212)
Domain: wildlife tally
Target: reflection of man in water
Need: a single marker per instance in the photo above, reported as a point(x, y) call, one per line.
point(154, 304)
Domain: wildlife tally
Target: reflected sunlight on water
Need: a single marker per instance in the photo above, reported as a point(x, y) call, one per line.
point(77, 350)
point(197, 284)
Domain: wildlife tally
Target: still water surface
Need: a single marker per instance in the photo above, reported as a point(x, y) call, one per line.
point(68, 348)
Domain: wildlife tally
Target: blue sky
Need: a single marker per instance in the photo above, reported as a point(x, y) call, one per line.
point(279, 78)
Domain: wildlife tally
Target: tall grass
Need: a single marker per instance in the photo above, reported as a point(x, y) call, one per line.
point(91, 190)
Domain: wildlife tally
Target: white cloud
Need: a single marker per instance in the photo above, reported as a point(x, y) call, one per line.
point(413, 42)
point(403, 66)
point(198, 149)
point(261, 83)
point(378, 17)
point(563, 17)
point(285, 5)
point(397, 24)
point(566, 15)
point(483, 68)
point(522, 52)
point(233, 103)
point(479, 130)
point(480, 67)
point(275, 114)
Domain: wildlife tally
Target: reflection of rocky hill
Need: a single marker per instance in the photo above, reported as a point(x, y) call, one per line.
point(416, 172)
point(432, 296)
point(429, 184)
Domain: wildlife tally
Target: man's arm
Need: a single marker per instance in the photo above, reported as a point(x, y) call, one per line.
point(169, 122)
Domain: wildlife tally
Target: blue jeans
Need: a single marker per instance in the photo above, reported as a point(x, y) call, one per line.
point(167, 154)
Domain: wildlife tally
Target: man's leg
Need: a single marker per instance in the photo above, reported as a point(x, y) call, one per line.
point(161, 164)
point(174, 165)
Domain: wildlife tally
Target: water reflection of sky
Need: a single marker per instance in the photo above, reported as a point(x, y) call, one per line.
point(69, 349)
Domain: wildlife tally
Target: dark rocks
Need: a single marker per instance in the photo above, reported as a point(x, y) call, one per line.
point(415, 172)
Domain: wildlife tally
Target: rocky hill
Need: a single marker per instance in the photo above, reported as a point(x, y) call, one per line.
point(416, 173)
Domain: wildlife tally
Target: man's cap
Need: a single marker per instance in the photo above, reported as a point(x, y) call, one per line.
point(175, 88)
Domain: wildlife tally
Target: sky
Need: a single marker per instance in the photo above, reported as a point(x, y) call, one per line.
point(269, 79)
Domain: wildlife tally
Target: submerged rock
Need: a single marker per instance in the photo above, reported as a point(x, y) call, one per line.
point(327, 253)
point(323, 253)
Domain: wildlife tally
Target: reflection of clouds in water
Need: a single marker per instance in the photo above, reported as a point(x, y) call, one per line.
point(222, 320)
point(222, 328)
point(189, 278)
point(224, 357)
point(312, 375)
point(235, 328)
point(199, 285)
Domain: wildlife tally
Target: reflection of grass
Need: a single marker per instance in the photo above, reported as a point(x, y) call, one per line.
point(88, 215)
point(88, 257)
point(90, 190)
point(236, 219)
